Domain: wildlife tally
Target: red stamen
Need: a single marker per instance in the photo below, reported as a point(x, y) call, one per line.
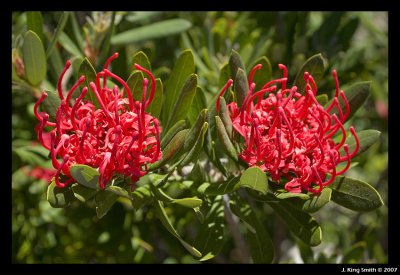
point(60, 92)
point(153, 83)
point(79, 82)
point(35, 110)
point(285, 75)
point(78, 100)
point(158, 145)
point(353, 132)
point(348, 157)
point(252, 72)
point(335, 77)
point(128, 91)
point(111, 58)
point(346, 114)
point(57, 175)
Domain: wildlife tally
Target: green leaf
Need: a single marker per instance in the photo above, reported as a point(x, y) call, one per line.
point(225, 140)
point(51, 104)
point(366, 138)
point(104, 201)
point(121, 192)
point(183, 67)
point(179, 126)
point(159, 208)
point(322, 99)
point(141, 59)
point(141, 196)
point(235, 63)
point(85, 175)
point(173, 149)
point(69, 45)
point(255, 178)
point(261, 245)
point(58, 197)
point(355, 194)
point(198, 104)
point(287, 195)
point(241, 86)
point(305, 227)
point(355, 253)
point(213, 189)
point(60, 27)
point(135, 83)
point(210, 238)
point(34, 58)
point(315, 66)
point(151, 31)
point(155, 106)
point(194, 152)
point(263, 75)
point(160, 194)
point(188, 202)
point(224, 114)
point(314, 203)
point(141, 16)
point(105, 46)
point(86, 69)
point(224, 75)
point(356, 95)
point(83, 193)
point(34, 20)
point(195, 130)
point(184, 100)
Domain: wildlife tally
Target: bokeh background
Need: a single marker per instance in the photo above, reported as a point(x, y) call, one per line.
point(355, 43)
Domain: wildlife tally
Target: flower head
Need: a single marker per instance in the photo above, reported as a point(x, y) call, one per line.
point(290, 135)
point(118, 137)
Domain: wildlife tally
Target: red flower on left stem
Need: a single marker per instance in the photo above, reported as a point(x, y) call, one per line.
point(118, 138)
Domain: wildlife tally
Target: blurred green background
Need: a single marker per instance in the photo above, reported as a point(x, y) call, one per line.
point(355, 43)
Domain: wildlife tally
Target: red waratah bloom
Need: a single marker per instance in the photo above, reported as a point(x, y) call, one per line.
point(289, 135)
point(118, 138)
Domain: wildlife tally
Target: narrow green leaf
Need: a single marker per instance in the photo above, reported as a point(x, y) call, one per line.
point(314, 203)
point(305, 227)
point(51, 104)
point(34, 20)
point(105, 46)
point(255, 178)
point(261, 245)
point(235, 63)
point(183, 68)
point(58, 197)
point(355, 194)
point(86, 69)
point(151, 31)
point(188, 202)
point(184, 100)
point(356, 95)
point(210, 238)
point(198, 104)
point(241, 86)
point(225, 140)
point(173, 150)
point(121, 192)
point(141, 59)
point(213, 189)
point(141, 16)
point(224, 75)
point(159, 208)
point(178, 126)
point(160, 194)
point(195, 130)
point(224, 114)
point(366, 138)
point(76, 29)
point(155, 106)
point(135, 83)
point(34, 58)
point(322, 99)
point(104, 201)
point(83, 193)
point(315, 66)
point(69, 45)
point(60, 27)
point(141, 196)
point(263, 75)
point(287, 195)
point(85, 175)
point(194, 152)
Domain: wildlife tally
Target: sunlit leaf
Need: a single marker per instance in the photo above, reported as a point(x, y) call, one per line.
point(255, 178)
point(85, 175)
point(34, 58)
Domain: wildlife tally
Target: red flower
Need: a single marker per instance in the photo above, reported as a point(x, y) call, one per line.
point(119, 138)
point(289, 135)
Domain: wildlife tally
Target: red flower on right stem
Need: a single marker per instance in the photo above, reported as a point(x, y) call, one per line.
point(290, 135)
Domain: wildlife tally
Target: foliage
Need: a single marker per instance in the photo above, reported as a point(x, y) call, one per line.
point(200, 202)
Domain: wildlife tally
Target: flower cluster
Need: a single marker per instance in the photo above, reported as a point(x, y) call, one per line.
point(290, 135)
point(117, 136)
